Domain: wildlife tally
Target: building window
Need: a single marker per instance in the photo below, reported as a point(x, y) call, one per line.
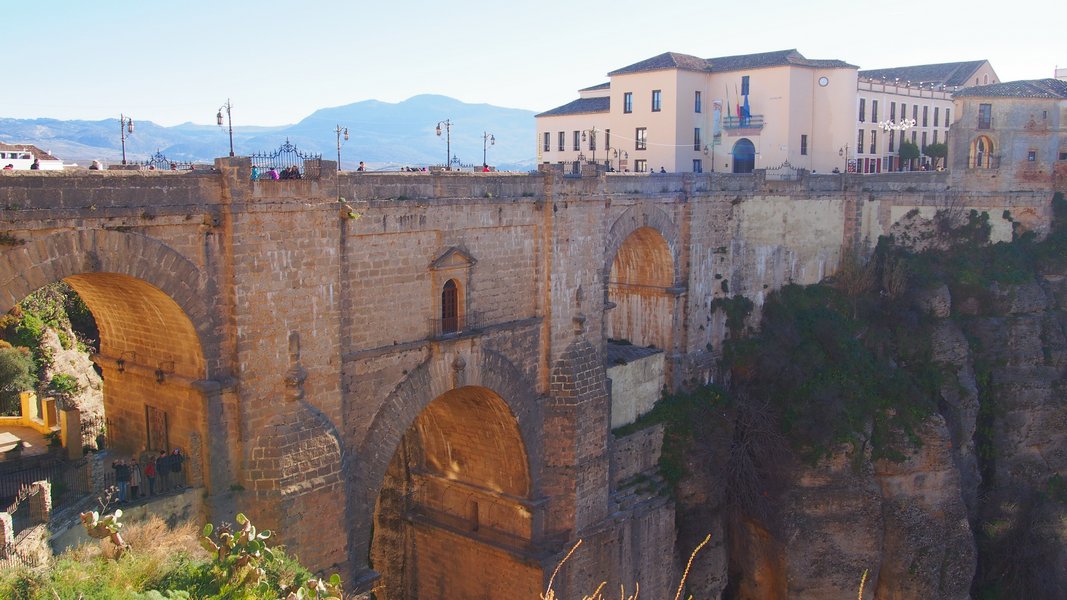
point(640, 165)
point(696, 138)
point(985, 116)
point(903, 111)
point(628, 102)
point(744, 85)
point(656, 98)
point(947, 121)
point(696, 102)
point(859, 142)
point(915, 112)
point(935, 136)
point(803, 144)
point(985, 79)
point(874, 141)
point(926, 115)
point(698, 165)
point(874, 111)
point(1031, 156)
point(891, 136)
point(914, 136)
point(450, 307)
point(863, 109)
point(548, 141)
point(562, 141)
point(892, 111)
point(641, 139)
point(1063, 155)
point(577, 140)
point(936, 110)
point(923, 147)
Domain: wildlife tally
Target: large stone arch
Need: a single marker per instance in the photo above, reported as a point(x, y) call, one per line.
point(432, 379)
point(642, 278)
point(26, 268)
point(634, 218)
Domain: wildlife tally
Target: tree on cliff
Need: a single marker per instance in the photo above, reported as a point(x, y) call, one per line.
point(16, 375)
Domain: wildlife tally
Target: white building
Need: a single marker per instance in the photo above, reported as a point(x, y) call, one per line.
point(887, 99)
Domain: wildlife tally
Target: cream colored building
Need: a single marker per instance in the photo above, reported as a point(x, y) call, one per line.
point(913, 103)
point(681, 113)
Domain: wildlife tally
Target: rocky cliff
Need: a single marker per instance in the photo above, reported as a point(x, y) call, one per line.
point(931, 468)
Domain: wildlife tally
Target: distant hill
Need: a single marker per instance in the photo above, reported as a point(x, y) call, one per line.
point(382, 134)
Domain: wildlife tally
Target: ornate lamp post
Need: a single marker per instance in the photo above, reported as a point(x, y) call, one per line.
point(448, 141)
point(125, 126)
point(619, 156)
point(592, 140)
point(843, 152)
point(218, 119)
point(340, 131)
point(487, 140)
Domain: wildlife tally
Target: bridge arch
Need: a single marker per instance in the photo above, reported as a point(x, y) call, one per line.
point(450, 460)
point(157, 335)
point(641, 277)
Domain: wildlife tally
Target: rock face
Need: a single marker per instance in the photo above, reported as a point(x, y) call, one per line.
point(979, 509)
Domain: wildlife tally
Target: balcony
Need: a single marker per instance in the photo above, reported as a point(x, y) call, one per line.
point(752, 122)
point(457, 326)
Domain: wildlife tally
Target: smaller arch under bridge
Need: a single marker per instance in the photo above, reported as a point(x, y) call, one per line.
point(409, 374)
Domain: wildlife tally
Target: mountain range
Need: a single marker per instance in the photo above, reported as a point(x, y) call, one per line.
point(384, 135)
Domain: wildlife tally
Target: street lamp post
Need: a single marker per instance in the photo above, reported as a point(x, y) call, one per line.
point(619, 157)
point(843, 152)
point(487, 140)
point(229, 120)
point(592, 140)
point(448, 141)
point(125, 126)
point(340, 131)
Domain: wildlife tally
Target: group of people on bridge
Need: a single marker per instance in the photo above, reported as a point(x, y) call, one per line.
point(163, 472)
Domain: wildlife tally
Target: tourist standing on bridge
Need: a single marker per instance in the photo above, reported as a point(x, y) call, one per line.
point(150, 474)
point(122, 478)
point(163, 470)
point(177, 458)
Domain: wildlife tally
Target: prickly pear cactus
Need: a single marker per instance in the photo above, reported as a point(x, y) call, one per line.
point(239, 551)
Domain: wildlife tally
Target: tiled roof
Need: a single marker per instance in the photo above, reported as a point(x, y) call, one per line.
point(667, 60)
point(1029, 88)
point(600, 86)
point(37, 152)
point(580, 106)
point(948, 74)
point(772, 59)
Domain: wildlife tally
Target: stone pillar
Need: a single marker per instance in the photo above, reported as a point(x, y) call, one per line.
point(7, 535)
point(70, 432)
point(40, 502)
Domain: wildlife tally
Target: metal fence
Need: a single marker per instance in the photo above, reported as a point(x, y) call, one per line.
point(286, 156)
point(160, 162)
point(96, 432)
point(68, 479)
point(451, 326)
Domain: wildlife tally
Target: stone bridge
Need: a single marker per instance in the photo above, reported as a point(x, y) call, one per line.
point(416, 376)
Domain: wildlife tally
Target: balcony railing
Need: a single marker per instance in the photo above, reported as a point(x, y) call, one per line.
point(750, 122)
point(453, 326)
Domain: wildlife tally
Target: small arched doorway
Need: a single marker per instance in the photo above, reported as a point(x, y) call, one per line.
point(981, 156)
point(454, 512)
point(744, 154)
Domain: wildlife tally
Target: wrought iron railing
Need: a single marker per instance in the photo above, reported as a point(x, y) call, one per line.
point(452, 326)
point(160, 162)
point(285, 158)
point(750, 122)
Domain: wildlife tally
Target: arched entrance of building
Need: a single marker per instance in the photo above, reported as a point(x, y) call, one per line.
point(744, 154)
point(981, 155)
point(641, 288)
point(454, 511)
point(151, 355)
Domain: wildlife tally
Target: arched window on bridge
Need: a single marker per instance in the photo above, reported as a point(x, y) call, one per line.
point(450, 322)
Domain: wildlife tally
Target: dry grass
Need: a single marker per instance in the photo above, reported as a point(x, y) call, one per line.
point(598, 593)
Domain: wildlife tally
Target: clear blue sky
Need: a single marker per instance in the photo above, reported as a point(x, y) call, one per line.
point(172, 62)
